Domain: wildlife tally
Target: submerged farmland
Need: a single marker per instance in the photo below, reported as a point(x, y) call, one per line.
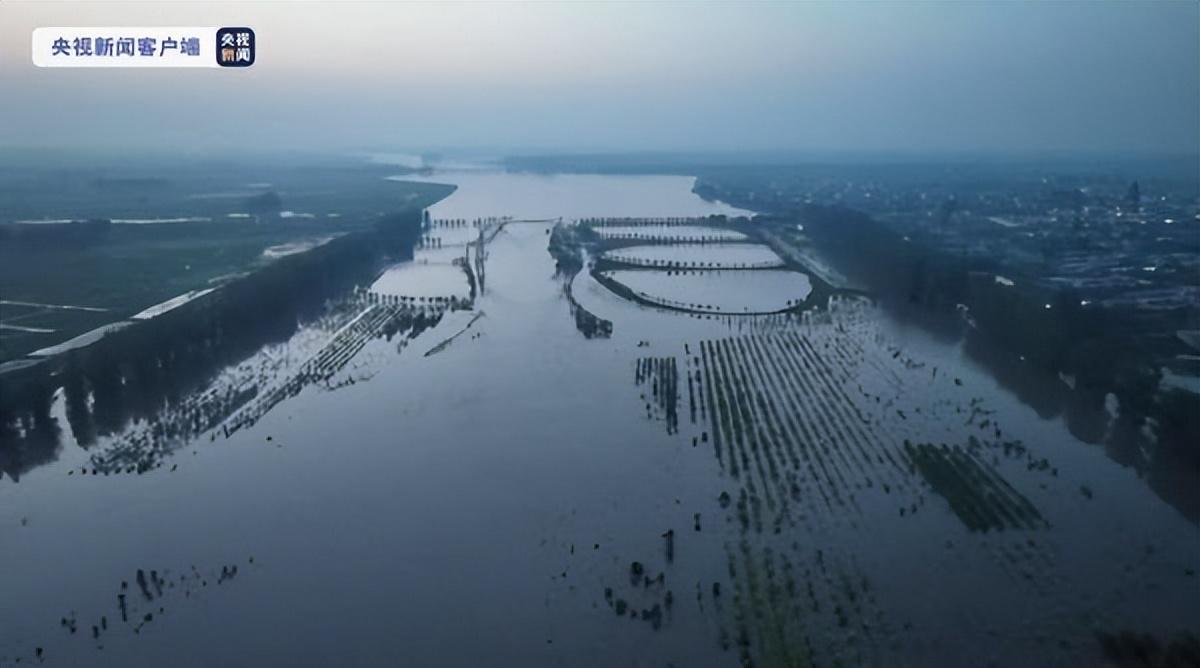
point(698, 256)
point(589, 442)
point(718, 291)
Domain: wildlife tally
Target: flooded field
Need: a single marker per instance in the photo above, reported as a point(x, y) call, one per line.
point(673, 233)
point(482, 483)
point(717, 291)
point(698, 256)
point(122, 245)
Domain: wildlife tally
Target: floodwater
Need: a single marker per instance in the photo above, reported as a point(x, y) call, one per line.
point(717, 256)
point(421, 279)
point(528, 196)
point(479, 493)
point(669, 232)
point(125, 221)
point(719, 291)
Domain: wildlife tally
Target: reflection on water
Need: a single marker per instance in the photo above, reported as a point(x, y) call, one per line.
point(832, 487)
point(718, 291)
point(698, 256)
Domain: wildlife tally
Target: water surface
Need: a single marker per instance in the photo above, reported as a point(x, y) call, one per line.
point(476, 493)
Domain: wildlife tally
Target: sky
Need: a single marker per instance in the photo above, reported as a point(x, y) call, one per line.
point(1010, 78)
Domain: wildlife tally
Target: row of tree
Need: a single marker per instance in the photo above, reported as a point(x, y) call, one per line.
point(129, 374)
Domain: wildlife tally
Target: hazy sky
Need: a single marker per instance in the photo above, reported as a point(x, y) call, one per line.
point(957, 76)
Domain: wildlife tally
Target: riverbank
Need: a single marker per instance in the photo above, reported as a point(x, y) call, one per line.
point(180, 346)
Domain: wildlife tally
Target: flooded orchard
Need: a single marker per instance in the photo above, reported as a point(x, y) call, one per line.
point(698, 256)
point(491, 453)
point(718, 291)
point(652, 232)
